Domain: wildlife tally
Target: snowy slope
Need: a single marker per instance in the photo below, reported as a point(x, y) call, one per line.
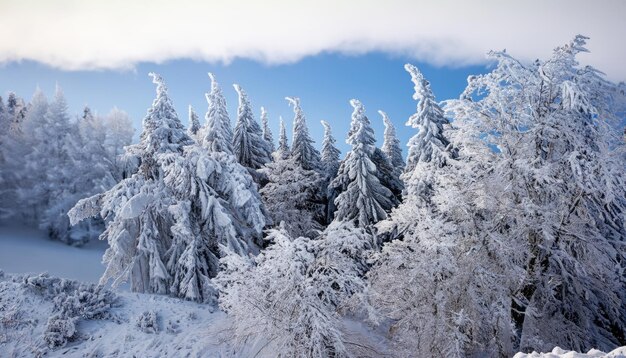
point(28, 250)
point(182, 328)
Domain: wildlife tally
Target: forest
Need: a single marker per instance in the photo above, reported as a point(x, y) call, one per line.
point(500, 231)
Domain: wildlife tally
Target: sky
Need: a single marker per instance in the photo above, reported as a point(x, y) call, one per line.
point(325, 52)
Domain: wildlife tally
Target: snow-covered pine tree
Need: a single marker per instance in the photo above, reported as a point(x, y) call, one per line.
point(362, 199)
point(429, 145)
point(92, 173)
point(194, 123)
point(119, 134)
point(16, 109)
point(250, 149)
point(273, 300)
point(54, 153)
point(391, 145)
point(169, 223)
point(217, 133)
point(283, 151)
point(330, 166)
point(267, 132)
point(302, 149)
point(292, 195)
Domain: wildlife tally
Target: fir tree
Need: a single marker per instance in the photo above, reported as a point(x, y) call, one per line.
point(302, 150)
point(267, 132)
point(391, 145)
point(194, 123)
point(283, 151)
point(250, 149)
point(330, 165)
point(218, 135)
point(362, 198)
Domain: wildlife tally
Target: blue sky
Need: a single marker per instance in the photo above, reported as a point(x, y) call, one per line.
point(325, 83)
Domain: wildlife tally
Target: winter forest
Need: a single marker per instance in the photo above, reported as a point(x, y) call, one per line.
point(501, 230)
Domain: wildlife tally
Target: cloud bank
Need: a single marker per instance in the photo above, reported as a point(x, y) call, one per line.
point(117, 34)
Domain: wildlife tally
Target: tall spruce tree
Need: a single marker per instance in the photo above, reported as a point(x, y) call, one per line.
point(217, 132)
point(302, 149)
point(362, 199)
point(330, 166)
point(250, 149)
point(267, 132)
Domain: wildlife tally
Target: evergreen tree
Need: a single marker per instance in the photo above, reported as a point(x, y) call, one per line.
point(283, 151)
point(170, 222)
point(267, 132)
point(218, 135)
point(194, 123)
point(251, 150)
point(391, 145)
point(429, 145)
point(302, 150)
point(330, 165)
point(362, 198)
point(292, 196)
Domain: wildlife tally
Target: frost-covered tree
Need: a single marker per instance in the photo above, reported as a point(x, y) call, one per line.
point(250, 149)
point(429, 149)
point(16, 109)
point(194, 123)
point(119, 134)
point(302, 149)
point(169, 223)
point(283, 151)
point(292, 196)
point(267, 132)
point(330, 166)
point(391, 145)
point(51, 163)
point(217, 133)
point(274, 300)
point(362, 199)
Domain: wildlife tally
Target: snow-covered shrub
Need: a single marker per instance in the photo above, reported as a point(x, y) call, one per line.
point(72, 301)
point(59, 331)
point(147, 322)
point(273, 299)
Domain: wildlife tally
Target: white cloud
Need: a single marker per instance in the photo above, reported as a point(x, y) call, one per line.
point(113, 34)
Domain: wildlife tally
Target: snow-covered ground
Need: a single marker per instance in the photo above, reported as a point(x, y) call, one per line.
point(561, 353)
point(29, 250)
point(173, 328)
point(181, 328)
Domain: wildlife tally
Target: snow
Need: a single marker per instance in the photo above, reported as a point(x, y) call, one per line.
point(562, 353)
point(28, 250)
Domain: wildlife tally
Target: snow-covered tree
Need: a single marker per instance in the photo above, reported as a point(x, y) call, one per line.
point(51, 164)
point(267, 132)
point(429, 149)
point(194, 123)
point(391, 145)
point(330, 166)
point(16, 109)
point(283, 151)
point(251, 150)
point(302, 149)
point(119, 134)
point(217, 133)
point(169, 223)
point(274, 300)
point(292, 196)
point(362, 199)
